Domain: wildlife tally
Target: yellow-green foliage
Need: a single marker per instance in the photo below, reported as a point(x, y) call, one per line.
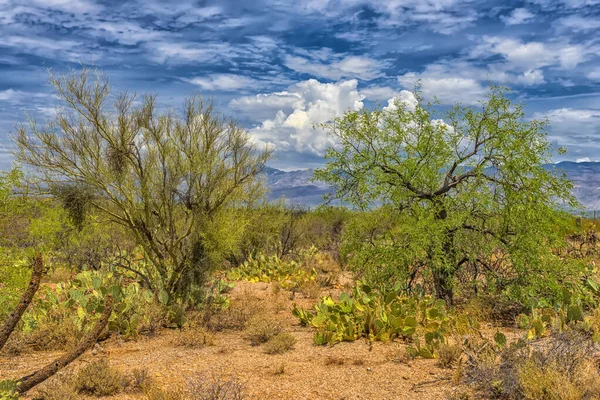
point(382, 316)
point(287, 273)
point(99, 378)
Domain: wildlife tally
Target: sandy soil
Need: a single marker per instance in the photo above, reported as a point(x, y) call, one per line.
point(343, 371)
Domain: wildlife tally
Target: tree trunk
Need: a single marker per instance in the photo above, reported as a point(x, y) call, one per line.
point(32, 288)
point(27, 382)
point(443, 285)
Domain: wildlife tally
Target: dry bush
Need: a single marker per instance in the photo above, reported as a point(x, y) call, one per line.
point(156, 318)
point(140, 380)
point(98, 378)
point(310, 289)
point(448, 355)
point(235, 317)
point(58, 389)
point(193, 337)
point(560, 367)
point(217, 387)
point(280, 369)
point(280, 343)
point(262, 328)
point(155, 392)
point(493, 308)
point(55, 335)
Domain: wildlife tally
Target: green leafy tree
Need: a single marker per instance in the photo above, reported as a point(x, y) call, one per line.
point(168, 178)
point(454, 194)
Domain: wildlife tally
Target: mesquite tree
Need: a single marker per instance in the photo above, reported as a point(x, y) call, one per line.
point(460, 192)
point(169, 178)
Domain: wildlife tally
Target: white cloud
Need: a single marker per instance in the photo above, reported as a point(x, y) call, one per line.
point(579, 23)
point(404, 97)
point(340, 66)
point(531, 55)
point(176, 53)
point(263, 106)
point(378, 92)
point(594, 74)
point(447, 89)
point(124, 32)
point(306, 103)
point(574, 128)
point(68, 6)
point(518, 16)
point(223, 82)
point(47, 47)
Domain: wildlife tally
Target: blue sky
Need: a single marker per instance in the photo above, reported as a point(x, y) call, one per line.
point(279, 66)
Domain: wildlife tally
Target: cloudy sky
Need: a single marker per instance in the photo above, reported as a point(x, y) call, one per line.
point(279, 66)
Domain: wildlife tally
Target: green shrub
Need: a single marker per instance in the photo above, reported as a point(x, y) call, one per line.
point(383, 316)
point(287, 273)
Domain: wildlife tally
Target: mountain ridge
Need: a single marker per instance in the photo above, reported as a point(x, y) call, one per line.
point(297, 187)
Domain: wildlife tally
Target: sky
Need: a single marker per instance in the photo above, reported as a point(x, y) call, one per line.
point(278, 66)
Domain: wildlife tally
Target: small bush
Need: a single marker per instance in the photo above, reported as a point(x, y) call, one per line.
point(99, 379)
point(448, 355)
point(310, 289)
point(280, 343)
point(58, 389)
point(235, 317)
point(140, 380)
point(193, 337)
point(218, 387)
point(560, 367)
point(55, 335)
point(261, 329)
point(158, 393)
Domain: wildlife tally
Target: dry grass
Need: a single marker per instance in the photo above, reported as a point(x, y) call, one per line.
point(334, 360)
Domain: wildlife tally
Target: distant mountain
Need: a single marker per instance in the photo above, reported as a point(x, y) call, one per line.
point(586, 178)
point(296, 187)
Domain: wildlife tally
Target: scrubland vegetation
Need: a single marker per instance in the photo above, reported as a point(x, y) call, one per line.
point(452, 262)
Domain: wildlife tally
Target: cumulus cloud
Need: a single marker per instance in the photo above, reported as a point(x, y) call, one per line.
point(303, 105)
point(518, 16)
